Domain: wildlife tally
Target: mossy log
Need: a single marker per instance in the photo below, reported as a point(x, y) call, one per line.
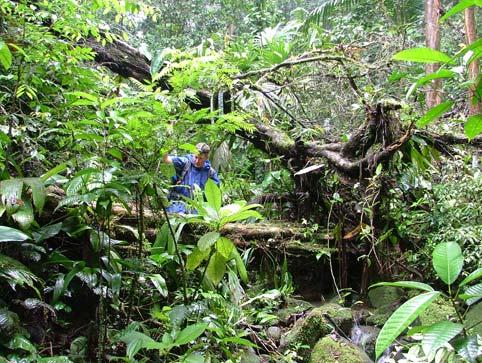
point(283, 236)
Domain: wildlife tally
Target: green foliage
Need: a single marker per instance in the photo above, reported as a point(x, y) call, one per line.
point(402, 318)
point(406, 284)
point(447, 261)
point(105, 134)
point(136, 340)
point(211, 247)
point(473, 125)
point(437, 335)
point(434, 112)
point(5, 56)
point(462, 5)
point(422, 55)
point(442, 208)
point(8, 234)
point(15, 273)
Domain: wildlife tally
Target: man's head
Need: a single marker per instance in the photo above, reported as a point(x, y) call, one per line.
point(202, 155)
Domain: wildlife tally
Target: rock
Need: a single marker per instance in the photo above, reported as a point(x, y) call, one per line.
point(318, 323)
point(473, 317)
point(384, 295)
point(365, 337)
point(440, 309)
point(337, 350)
point(249, 356)
point(293, 307)
point(300, 305)
point(379, 316)
point(274, 333)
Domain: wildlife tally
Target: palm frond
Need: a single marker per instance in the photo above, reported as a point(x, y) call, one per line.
point(400, 12)
point(321, 14)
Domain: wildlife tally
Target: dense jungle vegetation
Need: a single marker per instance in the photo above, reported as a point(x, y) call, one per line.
point(347, 225)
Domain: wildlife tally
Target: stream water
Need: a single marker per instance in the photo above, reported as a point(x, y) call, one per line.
point(364, 337)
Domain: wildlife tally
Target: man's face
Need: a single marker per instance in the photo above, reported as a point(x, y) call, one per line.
point(199, 159)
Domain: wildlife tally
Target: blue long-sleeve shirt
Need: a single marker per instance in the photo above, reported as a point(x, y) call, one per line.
point(193, 176)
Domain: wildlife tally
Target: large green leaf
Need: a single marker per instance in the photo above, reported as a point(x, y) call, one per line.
point(5, 56)
point(213, 195)
point(473, 126)
point(24, 215)
point(473, 293)
point(406, 284)
point(53, 171)
point(159, 283)
point(195, 258)
point(468, 348)
point(38, 192)
point(8, 234)
point(225, 247)
point(402, 318)
point(62, 283)
point(164, 239)
point(435, 336)
point(475, 275)
point(243, 273)
point(447, 261)
point(434, 113)
point(216, 268)
point(422, 55)
point(136, 341)
point(475, 48)
point(461, 6)
point(190, 333)
point(47, 232)
point(20, 342)
point(207, 240)
point(241, 216)
point(441, 73)
point(11, 194)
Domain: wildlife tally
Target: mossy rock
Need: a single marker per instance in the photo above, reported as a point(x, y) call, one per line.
point(294, 306)
point(384, 295)
point(250, 356)
point(339, 350)
point(379, 316)
point(318, 323)
point(439, 310)
point(473, 317)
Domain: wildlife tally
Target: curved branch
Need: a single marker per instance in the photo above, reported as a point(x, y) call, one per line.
point(291, 62)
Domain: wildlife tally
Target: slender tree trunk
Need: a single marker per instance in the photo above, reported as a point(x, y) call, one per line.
point(471, 36)
point(432, 39)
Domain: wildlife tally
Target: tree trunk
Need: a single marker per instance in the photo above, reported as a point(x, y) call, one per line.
point(471, 36)
point(432, 39)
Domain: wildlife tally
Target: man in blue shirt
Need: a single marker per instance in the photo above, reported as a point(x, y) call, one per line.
point(191, 170)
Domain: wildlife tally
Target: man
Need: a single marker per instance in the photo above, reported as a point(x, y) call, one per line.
point(191, 170)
